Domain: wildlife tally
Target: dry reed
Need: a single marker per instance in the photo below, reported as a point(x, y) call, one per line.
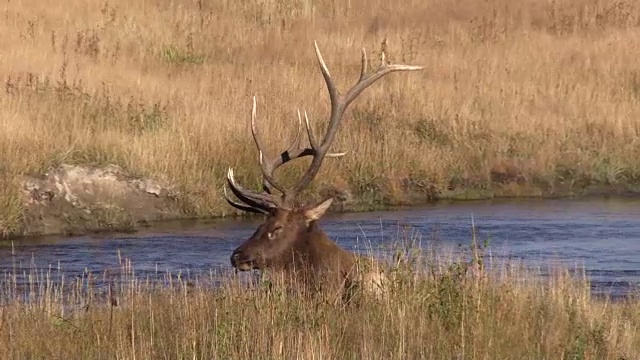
point(437, 309)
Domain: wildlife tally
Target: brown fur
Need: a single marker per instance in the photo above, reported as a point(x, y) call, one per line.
point(298, 247)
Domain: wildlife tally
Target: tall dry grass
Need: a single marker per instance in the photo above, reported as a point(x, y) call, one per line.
point(435, 310)
point(518, 97)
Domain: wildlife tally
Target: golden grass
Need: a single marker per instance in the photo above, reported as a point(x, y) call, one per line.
point(518, 97)
point(440, 313)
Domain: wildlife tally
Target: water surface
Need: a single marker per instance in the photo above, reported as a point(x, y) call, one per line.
point(603, 235)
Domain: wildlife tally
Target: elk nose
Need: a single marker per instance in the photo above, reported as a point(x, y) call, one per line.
point(235, 258)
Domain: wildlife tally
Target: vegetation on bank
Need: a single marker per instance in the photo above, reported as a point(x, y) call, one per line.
point(517, 98)
point(437, 308)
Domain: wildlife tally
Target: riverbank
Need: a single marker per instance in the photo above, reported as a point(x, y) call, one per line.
point(76, 200)
point(516, 99)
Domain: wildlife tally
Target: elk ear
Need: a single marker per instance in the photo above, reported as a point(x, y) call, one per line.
point(317, 211)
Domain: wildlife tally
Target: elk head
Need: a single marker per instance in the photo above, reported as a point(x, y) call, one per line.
point(288, 230)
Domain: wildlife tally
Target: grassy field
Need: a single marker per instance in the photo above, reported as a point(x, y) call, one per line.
point(517, 98)
point(436, 310)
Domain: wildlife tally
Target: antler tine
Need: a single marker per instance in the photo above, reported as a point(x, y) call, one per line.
point(266, 166)
point(365, 65)
point(339, 104)
point(242, 207)
point(367, 80)
point(296, 141)
point(260, 201)
point(312, 138)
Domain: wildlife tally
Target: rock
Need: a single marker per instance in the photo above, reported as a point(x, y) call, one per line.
point(76, 199)
point(149, 186)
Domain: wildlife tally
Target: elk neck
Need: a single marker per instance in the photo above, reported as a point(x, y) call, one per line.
point(317, 252)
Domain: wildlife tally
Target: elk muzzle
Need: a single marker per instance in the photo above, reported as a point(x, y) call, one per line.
point(243, 261)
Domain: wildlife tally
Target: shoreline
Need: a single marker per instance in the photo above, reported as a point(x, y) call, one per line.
point(132, 226)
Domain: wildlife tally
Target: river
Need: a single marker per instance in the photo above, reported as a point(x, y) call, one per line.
point(603, 235)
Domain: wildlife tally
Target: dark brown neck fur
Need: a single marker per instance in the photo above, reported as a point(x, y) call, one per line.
point(318, 260)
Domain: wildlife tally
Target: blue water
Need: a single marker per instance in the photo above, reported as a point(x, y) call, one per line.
point(601, 235)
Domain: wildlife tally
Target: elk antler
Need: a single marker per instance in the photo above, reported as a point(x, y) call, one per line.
point(265, 201)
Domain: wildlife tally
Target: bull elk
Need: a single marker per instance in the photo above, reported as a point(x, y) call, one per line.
point(290, 241)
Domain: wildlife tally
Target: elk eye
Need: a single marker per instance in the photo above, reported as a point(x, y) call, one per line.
point(272, 234)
